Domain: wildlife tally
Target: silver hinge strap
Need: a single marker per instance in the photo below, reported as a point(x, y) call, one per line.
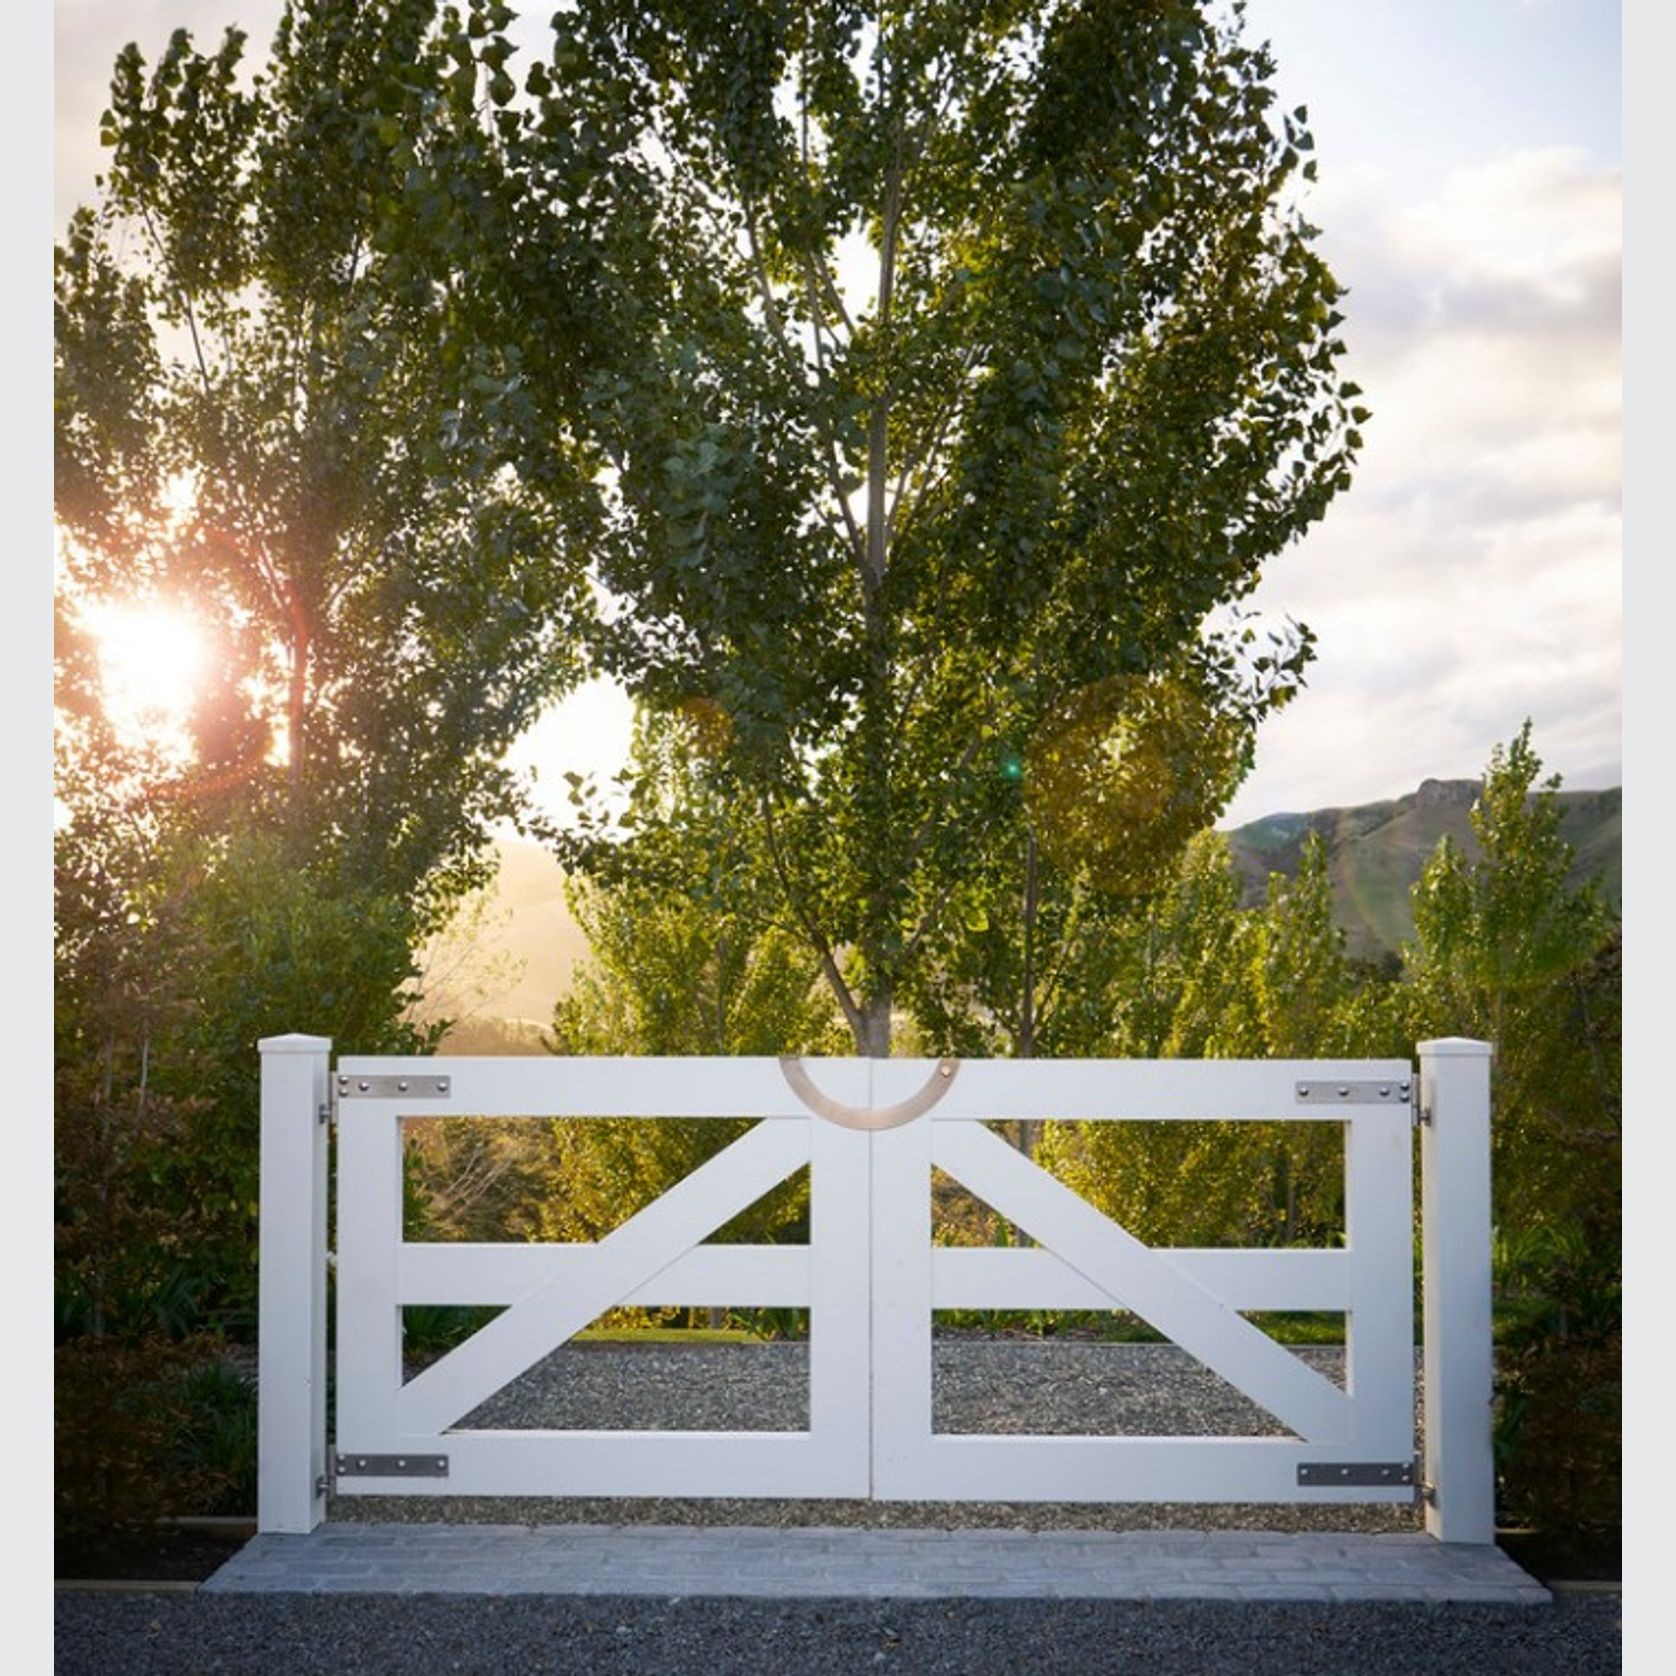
point(392, 1466)
point(1387, 1091)
point(1321, 1475)
point(410, 1086)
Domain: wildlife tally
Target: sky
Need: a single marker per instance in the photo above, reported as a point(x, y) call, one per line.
point(1469, 197)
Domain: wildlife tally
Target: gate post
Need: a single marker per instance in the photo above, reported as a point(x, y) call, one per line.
point(1455, 1242)
point(291, 1285)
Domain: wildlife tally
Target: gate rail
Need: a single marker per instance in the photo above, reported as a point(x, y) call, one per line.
point(1451, 1105)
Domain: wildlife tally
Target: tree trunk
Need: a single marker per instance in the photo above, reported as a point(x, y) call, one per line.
point(296, 705)
point(1030, 1128)
point(874, 1039)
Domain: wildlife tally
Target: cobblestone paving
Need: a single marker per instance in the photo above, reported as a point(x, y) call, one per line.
point(686, 1561)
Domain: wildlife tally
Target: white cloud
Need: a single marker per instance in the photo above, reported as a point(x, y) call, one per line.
point(1470, 577)
point(1532, 219)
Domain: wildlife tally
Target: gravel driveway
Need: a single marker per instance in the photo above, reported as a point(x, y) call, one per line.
point(995, 1386)
point(1045, 1386)
point(433, 1635)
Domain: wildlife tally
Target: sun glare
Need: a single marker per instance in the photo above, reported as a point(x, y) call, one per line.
point(151, 658)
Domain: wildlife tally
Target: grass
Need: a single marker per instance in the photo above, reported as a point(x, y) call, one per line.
point(666, 1335)
point(1115, 1328)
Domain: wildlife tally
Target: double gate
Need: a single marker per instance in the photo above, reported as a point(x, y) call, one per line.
point(871, 1133)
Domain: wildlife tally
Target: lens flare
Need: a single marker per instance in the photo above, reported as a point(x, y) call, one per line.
point(151, 659)
point(1125, 773)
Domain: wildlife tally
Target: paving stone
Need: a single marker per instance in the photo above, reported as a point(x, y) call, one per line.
point(907, 1564)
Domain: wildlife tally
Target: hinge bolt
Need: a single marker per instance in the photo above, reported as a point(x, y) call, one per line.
point(401, 1086)
point(364, 1085)
point(320, 1485)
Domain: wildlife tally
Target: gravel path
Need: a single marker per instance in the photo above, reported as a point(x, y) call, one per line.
point(1006, 1386)
point(428, 1635)
point(1046, 1386)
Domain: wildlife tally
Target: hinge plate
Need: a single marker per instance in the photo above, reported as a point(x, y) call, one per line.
point(392, 1466)
point(1324, 1475)
point(1313, 1091)
point(414, 1087)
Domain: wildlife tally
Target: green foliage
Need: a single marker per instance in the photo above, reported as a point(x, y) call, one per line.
point(264, 313)
point(1507, 950)
point(1201, 977)
point(273, 408)
point(684, 961)
point(891, 526)
point(216, 1443)
point(135, 1439)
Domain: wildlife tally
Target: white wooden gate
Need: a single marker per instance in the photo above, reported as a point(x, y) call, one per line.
point(871, 1132)
point(655, 1257)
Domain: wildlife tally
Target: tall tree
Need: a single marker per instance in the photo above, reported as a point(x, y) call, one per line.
point(957, 361)
point(1196, 975)
point(273, 406)
point(686, 957)
point(1507, 949)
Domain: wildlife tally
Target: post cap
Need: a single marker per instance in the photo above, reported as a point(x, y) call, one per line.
point(295, 1044)
point(1456, 1047)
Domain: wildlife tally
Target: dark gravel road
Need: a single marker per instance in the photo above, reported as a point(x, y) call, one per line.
point(208, 1635)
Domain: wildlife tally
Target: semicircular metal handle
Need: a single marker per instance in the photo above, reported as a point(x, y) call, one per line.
point(869, 1117)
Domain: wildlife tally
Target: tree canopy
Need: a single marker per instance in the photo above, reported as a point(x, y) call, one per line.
point(951, 362)
point(271, 405)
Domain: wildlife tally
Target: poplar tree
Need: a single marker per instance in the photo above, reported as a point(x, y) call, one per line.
point(950, 365)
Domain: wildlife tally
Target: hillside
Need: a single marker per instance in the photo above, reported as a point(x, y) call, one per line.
point(501, 973)
point(1375, 851)
point(510, 962)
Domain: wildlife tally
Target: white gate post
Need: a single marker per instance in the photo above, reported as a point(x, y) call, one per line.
point(1455, 1242)
point(291, 1286)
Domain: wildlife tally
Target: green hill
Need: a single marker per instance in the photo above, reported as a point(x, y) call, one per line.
point(501, 975)
point(1375, 851)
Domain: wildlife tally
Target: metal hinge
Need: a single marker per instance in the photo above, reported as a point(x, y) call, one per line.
point(392, 1466)
point(414, 1087)
point(1387, 1092)
point(1422, 1112)
point(1425, 1491)
point(328, 1112)
point(1321, 1475)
